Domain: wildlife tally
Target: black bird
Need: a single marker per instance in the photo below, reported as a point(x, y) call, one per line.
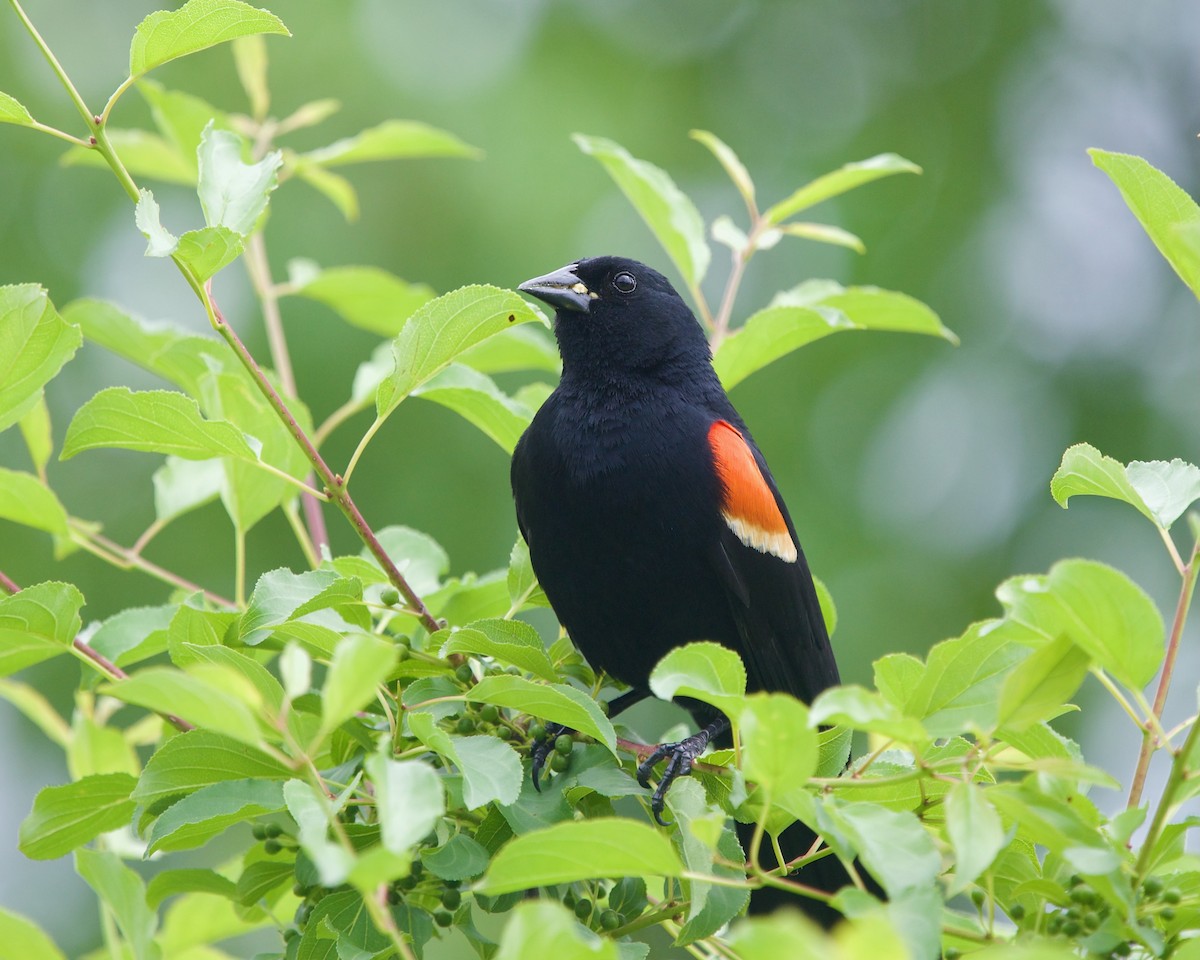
point(652, 519)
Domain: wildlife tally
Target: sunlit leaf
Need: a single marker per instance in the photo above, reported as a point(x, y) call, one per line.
point(197, 25)
point(779, 748)
point(1167, 489)
point(1085, 470)
point(411, 800)
point(312, 815)
point(34, 345)
point(209, 250)
point(181, 118)
point(25, 939)
point(35, 429)
point(520, 348)
point(490, 768)
point(580, 850)
point(193, 760)
point(200, 701)
point(845, 178)
point(36, 624)
point(557, 702)
point(24, 499)
point(360, 663)
point(142, 153)
point(233, 194)
point(861, 709)
point(547, 929)
point(668, 212)
point(123, 891)
point(12, 111)
point(1039, 686)
point(705, 671)
point(975, 831)
point(160, 241)
point(824, 233)
point(509, 641)
point(202, 815)
point(393, 140)
point(893, 844)
point(67, 817)
point(367, 297)
point(475, 397)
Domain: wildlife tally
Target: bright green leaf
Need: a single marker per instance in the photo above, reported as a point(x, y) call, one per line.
point(202, 815)
point(281, 595)
point(142, 153)
point(35, 428)
point(335, 188)
point(197, 25)
point(12, 111)
point(21, 937)
point(36, 624)
point(893, 844)
point(543, 928)
point(250, 58)
point(360, 663)
point(209, 250)
point(557, 701)
point(26, 500)
point(861, 709)
point(233, 194)
point(1167, 489)
point(824, 233)
point(67, 817)
point(519, 348)
point(1085, 470)
point(160, 241)
point(477, 399)
point(523, 588)
point(152, 421)
point(845, 178)
point(581, 850)
point(509, 641)
point(125, 894)
point(779, 748)
point(200, 701)
point(1057, 825)
point(705, 671)
point(181, 118)
point(312, 815)
point(729, 160)
point(392, 140)
point(34, 345)
point(975, 831)
point(411, 800)
point(1042, 683)
point(367, 297)
point(668, 212)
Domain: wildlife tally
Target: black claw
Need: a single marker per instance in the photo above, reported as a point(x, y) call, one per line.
point(682, 754)
point(542, 749)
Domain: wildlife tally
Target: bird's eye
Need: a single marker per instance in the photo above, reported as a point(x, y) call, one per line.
point(625, 282)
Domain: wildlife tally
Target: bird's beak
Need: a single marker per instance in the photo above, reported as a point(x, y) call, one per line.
point(562, 289)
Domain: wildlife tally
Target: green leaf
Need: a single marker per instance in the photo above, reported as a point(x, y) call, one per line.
point(1168, 215)
point(1056, 824)
point(1042, 683)
point(392, 140)
point(36, 624)
point(548, 701)
point(828, 608)
point(134, 634)
point(26, 500)
point(543, 928)
point(861, 709)
point(788, 933)
point(142, 153)
point(171, 883)
point(518, 348)
point(201, 701)
point(845, 178)
point(269, 689)
point(202, 815)
point(123, 891)
point(1099, 608)
point(360, 663)
point(37, 710)
point(523, 588)
point(779, 748)
point(367, 297)
point(34, 345)
point(706, 671)
point(509, 641)
point(209, 250)
point(417, 555)
point(824, 233)
point(233, 194)
point(581, 850)
point(477, 399)
point(666, 209)
point(198, 758)
point(281, 595)
point(35, 428)
point(12, 111)
point(183, 485)
point(1167, 489)
point(490, 768)
point(250, 58)
point(1086, 471)
point(181, 118)
point(816, 309)
point(146, 214)
point(893, 844)
point(152, 421)
point(459, 858)
point(312, 815)
point(441, 330)
point(197, 25)
point(975, 831)
point(259, 879)
point(410, 800)
point(336, 189)
point(729, 160)
point(67, 817)
point(22, 937)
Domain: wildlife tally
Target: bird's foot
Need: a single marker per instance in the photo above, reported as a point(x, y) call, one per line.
point(679, 756)
point(541, 749)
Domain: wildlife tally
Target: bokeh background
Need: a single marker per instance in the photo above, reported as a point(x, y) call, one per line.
point(917, 472)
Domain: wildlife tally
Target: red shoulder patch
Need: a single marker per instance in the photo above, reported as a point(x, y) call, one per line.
point(747, 504)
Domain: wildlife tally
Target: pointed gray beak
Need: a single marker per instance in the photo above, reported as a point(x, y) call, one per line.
point(561, 289)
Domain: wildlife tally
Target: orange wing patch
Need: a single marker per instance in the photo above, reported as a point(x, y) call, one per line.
point(747, 504)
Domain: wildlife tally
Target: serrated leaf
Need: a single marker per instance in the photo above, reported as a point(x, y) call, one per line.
point(557, 702)
point(125, 894)
point(861, 709)
point(37, 623)
point(146, 214)
point(69, 816)
point(459, 858)
point(893, 844)
point(197, 25)
point(509, 641)
point(198, 758)
point(1167, 488)
point(813, 310)
point(1042, 683)
point(360, 663)
point(392, 140)
point(705, 671)
point(152, 421)
point(281, 595)
point(171, 883)
point(666, 209)
point(1099, 608)
point(35, 342)
point(200, 701)
point(974, 829)
point(411, 800)
point(202, 815)
point(209, 250)
point(142, 153)
point(12, 111)
point(25, 939)
point(545, 928)
point(581, 850)
point(839, 181)
point(233, 194)
point(490, 768)
point(475, 397)
point(24, 499)
point(367, 297)
point(443, 329)
point(269, 689)
point(1086, 471)
point(259, 879)
point(1168, 215)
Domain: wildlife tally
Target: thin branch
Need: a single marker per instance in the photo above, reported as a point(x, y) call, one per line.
point(82, 107)
point(1179, 773)
point(112, 101)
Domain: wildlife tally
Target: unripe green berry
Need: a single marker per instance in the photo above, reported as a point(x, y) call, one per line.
point(1152, 887)
point(1055, 923)
point(536, 731)
point(1167, 913)
point(390, 596)
point(504, 733)
point(951, 953)
point(563, 743)
point(302, 914)
point(1123, 949)
point(559, 762)
point(1172, 896)
point(465, 725)
point(1091, 921)
point(451, 898)
point(568, 900)
point(513, 671)
point(402, 654)
point(393, 896)
point(272, 846)
point(610, 920)
point(274, 830)
point(490, 712)
point(300, 891)
point(418, 868)
point(442, 918)
point(1071, 928)
point(1016, 912)
point(259, 831)
point(463, 673)
point(583, 909)
point(977, 898)
point(290, 934)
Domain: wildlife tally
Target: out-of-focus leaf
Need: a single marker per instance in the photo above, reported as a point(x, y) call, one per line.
point(13, 111)
point(545, 928)
point(393, 140)
point(259, 879)
point(1166, 213)
point(729, 160)
point(893, 844)
point(142, 153)
point(201, 701)
point(24, 499)
point(367, 297)
point(523, 588)
point(705, 671)
point(335, 188)
point(975, 831)
point(839, 181)
point(250, 58)
point(171, 883)
point(35, 342)
point(37, 710)
point(183, 485)
point(22, 937)
point(1099, 608)
point(861, 709)
point(581, 850)
point(35, 428)
point(181, 118)
point(197, 25)
point(67, 817)
point(824, 233)
point(475, 397)
point(311, 813)
point(1042, 683)
point(557, 702)
point(123, 891)
point(233, 194)
point(411, 800)
point(36, 624)
point(667, 210)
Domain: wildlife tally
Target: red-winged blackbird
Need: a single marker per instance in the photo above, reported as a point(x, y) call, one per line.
point(651, 517)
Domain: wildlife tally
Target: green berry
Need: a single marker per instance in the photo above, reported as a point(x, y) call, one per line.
point(1091, 921)
point(453, 883)
point(451, 898)
point(442, 918)
point(393, 896)
point(977, 898)
point(1152, 887)
point(465, 725)
point(559, 762)
point(1172, 896)
point(390, 596)
point(951, 954)
point(490, 712)
point(1083, 894)
point(300, 891)
point(537, 731)
point(290, 934)
point(1016, 912)
point(563, 743)
point(259, 831)
point(569, 900)
point(583, 909)
point(513, 671)
point(610, 920)
point(418, 867)
point(407, 883)
point(1071, 928)
point(1123, 949)
point(402, 653)
point(463, 673)
point(1075, 880)
point(272, 846)
point(504, 733)
point(1055, 923)
point(302, 914)
point(274, 830)
point(1167, 913)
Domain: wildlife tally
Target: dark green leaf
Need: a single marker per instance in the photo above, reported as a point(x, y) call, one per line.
point(259, 879)
point(192, 760)
point(202, 815)
point(67, 817)
point(171, 883)
point(459, 858)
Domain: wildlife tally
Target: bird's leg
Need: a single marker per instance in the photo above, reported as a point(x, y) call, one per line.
point(680, 756)
point(542, 749)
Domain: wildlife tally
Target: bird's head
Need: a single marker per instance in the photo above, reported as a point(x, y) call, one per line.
point(618, 313)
